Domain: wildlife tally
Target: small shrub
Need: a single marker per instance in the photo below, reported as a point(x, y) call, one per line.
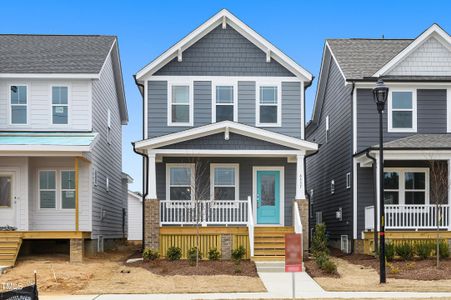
point(151, 254)
point(423, 249)
point(404, 250)
point(392, 269)
point(213, 254)
point(443, 249)
point(238, 254)
point(192, 255)
point(321, 260)
point(324, 263)
point(389, 251)
point(174, 253)
point(319, 241)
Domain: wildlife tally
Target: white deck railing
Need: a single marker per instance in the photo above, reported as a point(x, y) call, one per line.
point(206, 212)
point(412, 216)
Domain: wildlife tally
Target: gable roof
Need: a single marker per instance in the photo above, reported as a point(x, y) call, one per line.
point(225, 18)
point(73, 54)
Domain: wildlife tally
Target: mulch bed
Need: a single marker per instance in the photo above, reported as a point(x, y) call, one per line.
point(415, 269)
point(314, 271)
point(206, 267)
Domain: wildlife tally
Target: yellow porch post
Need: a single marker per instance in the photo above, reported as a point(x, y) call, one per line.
point(76, 195)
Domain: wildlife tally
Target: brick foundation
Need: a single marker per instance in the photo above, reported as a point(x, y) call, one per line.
point(226, 246)
point(77, 250)
point(303, 205)
point(152, 224)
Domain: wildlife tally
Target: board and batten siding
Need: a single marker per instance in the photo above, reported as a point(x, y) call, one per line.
point(158, 107)
point(39, 99)
point(334, 158)
point(107, 206)
point(431, 117)
point(245, 178)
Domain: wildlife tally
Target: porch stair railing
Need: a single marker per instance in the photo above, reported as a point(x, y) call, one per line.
point(250, 225)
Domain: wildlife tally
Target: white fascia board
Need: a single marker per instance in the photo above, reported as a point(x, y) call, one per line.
point(132, 194)
point(25, 153)
point(51, 75)
point(226, 153)
point(239, 26)
point(411, 154)
point(41, 148)
point(238, 128)
point(416, 43)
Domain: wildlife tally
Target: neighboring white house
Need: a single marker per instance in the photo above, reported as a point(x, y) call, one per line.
point(135, 209)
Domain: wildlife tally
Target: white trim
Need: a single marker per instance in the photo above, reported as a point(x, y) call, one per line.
point(239, 26)
point(401, 183)
point(414, 45)
point(226, 83)
point(68, 105)
point(413, 110)
point(134, 195)
point(236, 167)
point(278, 85)
point(281, 170)
point(354, 197)
point(170, 85)
point(336, 61)
point(300, 180)
point(224, 79)
point(354, 121)
point(108, 55)
point(51, 75)
point(10, 117)
point(406, 155)
point(226, 153)
point(47, 190)
point(65, 190)
point(191, 166)
point(420, 85)
point(146, 110)
point(448, 110)
point(348, 180)
point(219, 127)
point(302, 110)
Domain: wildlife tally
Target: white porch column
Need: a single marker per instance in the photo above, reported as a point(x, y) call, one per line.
point(300, 188)
point(378, 202)
point(152, 187)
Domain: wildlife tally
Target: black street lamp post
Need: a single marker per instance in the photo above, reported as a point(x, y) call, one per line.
point(380, 94)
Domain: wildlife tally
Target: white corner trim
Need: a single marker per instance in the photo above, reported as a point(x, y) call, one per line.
point(302, 110)
point(218, 19)
point(146, 109)
point(414, 45)
point(354, 121)
point(354, 197)
point(390, 110)
point(236, 167)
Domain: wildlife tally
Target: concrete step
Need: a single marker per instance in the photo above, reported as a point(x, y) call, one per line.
point(270, 266)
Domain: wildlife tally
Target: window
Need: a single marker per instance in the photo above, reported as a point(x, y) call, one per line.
point(406, 186)
point(224, 107)
point(268, 108)
point(67, 189)
point(348, 180)
point(224, 180)
point(19, 101)
point(332, 187)
point(47, 189)
point(180, 181)
point(60, 105)
point(95, 179)
point(402, 111)
point(5, 191)
point(180, 109)
point(327, 128)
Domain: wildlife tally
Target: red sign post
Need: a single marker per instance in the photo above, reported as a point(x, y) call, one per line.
point(293, 252)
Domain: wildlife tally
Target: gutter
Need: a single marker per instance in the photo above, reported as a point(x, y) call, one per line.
point(352, 159)
point(145, 167)
point(367, 154)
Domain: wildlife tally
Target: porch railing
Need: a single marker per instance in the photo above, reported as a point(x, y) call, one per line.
point(412, 216)
point(206, 212)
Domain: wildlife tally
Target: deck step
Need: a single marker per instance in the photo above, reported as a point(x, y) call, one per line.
point(268, 258)
point(269, 246)
point(269, 252)
point(9, 248)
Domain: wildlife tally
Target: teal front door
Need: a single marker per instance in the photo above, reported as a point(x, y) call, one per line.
point(268, 197)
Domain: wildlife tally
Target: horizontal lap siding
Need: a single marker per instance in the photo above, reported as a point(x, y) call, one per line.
point(334, 158)
point(365, 195)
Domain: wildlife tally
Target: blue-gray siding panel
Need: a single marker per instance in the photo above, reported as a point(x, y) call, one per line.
point(224, 52)
point(245, 165)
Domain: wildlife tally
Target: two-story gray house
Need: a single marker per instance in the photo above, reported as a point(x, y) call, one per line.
point(342, 179)
point(223, 141)
point(62, 108)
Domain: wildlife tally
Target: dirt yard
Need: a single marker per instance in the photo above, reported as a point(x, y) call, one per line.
point(107, 273)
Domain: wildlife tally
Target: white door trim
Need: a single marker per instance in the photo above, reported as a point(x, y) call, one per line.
point(15, 201)
point(281, 169)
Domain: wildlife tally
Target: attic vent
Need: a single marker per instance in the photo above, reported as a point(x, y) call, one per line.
point(345, 246)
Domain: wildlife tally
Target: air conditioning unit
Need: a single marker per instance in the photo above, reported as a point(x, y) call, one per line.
point(345, 245)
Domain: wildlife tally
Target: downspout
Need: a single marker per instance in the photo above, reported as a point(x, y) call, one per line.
point(145, 167)
point(308, 193)
point(352, 158)
point(367, 154)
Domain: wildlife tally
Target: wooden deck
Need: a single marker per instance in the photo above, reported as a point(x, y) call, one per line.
point(46, 235)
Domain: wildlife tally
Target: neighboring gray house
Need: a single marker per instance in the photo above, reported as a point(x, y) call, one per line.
point(223, 124)
point(341, 178)
point(62, 110)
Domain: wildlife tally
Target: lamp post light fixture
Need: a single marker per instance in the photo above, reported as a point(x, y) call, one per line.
point(380, 95)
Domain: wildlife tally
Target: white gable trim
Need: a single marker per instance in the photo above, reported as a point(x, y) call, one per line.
point(226, 126)
point(434, 29)
point(221, 17)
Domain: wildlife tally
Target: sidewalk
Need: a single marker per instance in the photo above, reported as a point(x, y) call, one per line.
point(278, 285)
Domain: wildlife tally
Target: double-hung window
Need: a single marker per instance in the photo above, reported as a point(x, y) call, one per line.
point(67, 189)
point(60, 105)
point(224, 181)
point(180, 181)
point(268, 106)
point(225, 103)
point(47, 189)
point(180, 112)
point(57, 189)
point(406, 186)
point(402, 116)
point(19, 102)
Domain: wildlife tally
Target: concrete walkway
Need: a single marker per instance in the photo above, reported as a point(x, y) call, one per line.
point(278, 285)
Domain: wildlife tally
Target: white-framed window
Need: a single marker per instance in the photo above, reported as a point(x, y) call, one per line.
point(180, 104)
point(348, 180)
point(269, 110)
point(224, 102)
point(327, 128)
point(402, 111)
point(47, 189)
point(332, 186)
point(60, 105)
point(224, 182)
point(107, 184)
point(108, 129)
point(19, 104)
point(67, 189)
point(180, 181)
point(406, 186)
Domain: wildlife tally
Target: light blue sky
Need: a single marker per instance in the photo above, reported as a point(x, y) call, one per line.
point(147, 28)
